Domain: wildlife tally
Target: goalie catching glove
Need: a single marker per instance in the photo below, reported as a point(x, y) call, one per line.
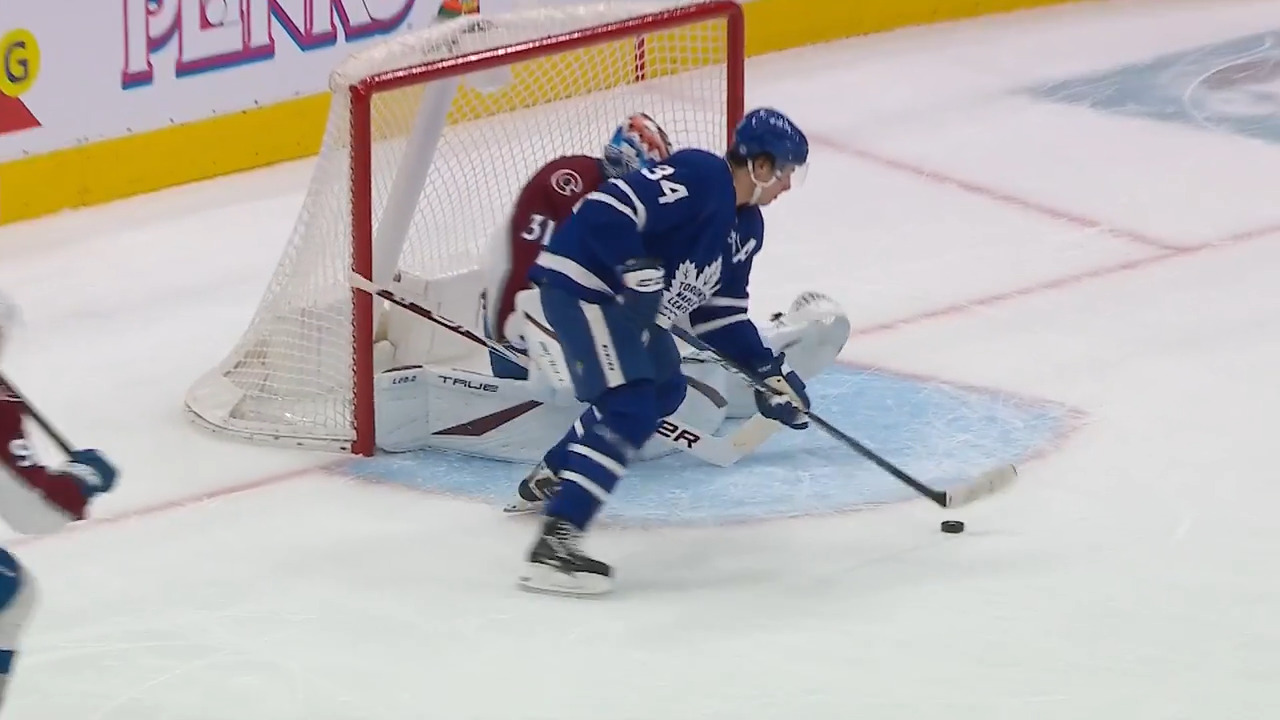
point(788, 403)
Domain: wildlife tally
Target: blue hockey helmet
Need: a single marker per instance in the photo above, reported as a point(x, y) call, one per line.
point(637, 144)
point(765, 131)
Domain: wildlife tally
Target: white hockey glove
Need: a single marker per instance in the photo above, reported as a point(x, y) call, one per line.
point(789, 402)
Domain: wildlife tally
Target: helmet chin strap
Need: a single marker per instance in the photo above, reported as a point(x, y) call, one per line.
point(760, 187)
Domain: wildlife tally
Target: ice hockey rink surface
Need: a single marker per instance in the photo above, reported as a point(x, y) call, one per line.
point(1057, 236)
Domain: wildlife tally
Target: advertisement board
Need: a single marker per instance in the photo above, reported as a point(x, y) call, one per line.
point(104, 99)
point(76, 71)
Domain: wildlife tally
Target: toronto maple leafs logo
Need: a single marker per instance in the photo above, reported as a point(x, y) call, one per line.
point(690, 288)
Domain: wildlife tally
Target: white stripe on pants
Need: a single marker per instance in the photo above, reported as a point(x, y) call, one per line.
point(610, 365)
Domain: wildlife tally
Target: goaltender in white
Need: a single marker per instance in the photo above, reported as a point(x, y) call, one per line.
point(506, 395)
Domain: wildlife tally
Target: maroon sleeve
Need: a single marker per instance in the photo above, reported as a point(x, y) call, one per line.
point(546, 200)
point(58, 489)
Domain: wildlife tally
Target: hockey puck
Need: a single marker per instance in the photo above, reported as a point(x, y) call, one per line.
point(952, 526)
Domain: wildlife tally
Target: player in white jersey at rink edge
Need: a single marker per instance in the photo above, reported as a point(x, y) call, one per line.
point(672, 242)
point(34, 500)
point(812, 331)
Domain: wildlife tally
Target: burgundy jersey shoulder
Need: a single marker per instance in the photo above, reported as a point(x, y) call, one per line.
point(564, 181)
point(545, 201)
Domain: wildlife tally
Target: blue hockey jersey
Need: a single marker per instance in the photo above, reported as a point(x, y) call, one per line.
point(683, 213)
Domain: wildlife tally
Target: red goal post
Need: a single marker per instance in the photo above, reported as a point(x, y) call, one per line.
point(430, 135)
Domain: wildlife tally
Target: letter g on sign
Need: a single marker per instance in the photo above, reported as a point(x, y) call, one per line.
point(21, 60)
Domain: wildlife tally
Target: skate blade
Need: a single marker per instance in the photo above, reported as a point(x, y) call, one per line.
point(542, 579)
point(524, 507)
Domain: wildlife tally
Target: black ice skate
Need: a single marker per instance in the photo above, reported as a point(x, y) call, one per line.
point(557, 565)
point(534, 491)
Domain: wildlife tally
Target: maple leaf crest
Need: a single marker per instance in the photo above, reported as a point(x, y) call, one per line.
point(690, 287)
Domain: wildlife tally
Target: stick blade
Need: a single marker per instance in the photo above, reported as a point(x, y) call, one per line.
point(988, 483)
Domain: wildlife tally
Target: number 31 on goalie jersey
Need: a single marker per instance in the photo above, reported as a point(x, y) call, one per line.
point(671, 190)
point(539, 229)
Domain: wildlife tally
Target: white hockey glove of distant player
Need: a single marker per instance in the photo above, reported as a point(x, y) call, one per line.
point(788, 403)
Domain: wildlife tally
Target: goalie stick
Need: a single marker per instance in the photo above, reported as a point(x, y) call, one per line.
point(718, 450)
point(987, 483)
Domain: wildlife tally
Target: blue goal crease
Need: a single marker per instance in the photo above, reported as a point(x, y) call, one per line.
point(939, 432)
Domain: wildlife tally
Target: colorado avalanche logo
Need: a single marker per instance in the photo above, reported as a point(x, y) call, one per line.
point(566, 182)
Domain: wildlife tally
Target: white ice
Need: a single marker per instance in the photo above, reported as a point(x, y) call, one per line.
point(1133, 266)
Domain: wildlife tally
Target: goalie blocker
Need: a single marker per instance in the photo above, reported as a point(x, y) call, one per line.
point(460, 407)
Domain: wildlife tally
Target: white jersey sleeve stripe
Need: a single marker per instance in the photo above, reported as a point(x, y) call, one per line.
point(728, 302)
point(642, 216)
point(616, 204)
point(719, 323)
point(572, 270)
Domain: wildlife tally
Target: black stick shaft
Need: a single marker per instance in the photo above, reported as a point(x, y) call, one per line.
point(38, 417)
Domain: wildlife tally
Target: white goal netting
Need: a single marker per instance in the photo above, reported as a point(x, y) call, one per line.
point(447, 157)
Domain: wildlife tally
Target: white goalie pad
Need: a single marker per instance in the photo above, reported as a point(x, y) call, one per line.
point(549, 377)
point(459, 407)
point(416, 342)
point(812, 332)
point(477, 414)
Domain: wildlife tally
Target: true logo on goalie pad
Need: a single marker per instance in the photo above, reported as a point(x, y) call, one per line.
point(468, 384)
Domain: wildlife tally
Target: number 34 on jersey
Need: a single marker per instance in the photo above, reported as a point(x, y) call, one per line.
point(671, 190)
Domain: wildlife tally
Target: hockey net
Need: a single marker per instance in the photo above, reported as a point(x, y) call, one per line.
point(429, 138)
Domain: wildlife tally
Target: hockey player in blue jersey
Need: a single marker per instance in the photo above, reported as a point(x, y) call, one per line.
point(673, 242)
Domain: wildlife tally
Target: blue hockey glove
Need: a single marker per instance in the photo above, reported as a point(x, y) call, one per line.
point(788, 403)
point(643, 281)
point(94, 473)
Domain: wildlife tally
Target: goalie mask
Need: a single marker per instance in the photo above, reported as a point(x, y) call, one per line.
point(637, 144)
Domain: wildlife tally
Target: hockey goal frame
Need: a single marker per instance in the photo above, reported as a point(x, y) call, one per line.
point(362, 93)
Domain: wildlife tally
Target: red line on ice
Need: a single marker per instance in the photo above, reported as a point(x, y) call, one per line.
point(999, 196)
point(1169, 250)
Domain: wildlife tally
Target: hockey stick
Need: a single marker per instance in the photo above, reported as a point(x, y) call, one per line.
point(37, 416)
point(984, 484)
point(718, 450)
